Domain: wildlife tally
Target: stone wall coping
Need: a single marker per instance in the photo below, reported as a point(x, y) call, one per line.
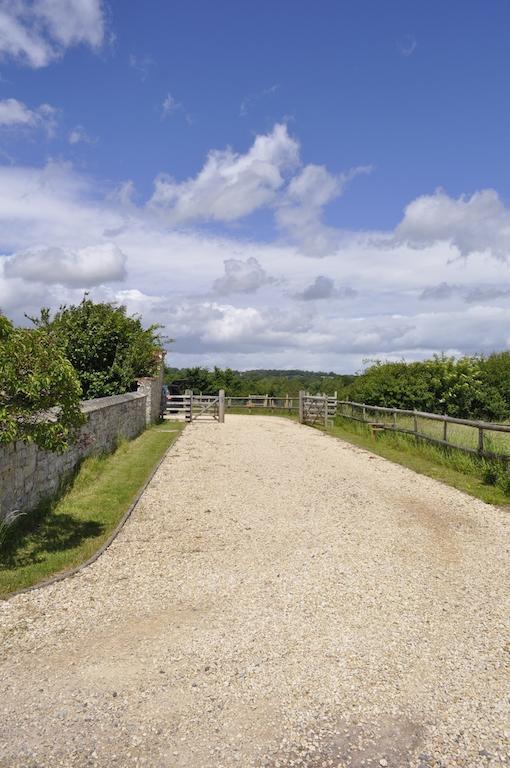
point(98, 403)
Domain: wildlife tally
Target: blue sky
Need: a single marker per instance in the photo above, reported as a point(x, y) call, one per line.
point(282, 184)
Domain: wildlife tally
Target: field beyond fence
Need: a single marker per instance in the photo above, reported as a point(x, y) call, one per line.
point(477, 438)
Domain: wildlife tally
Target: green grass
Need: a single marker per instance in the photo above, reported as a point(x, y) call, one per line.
point(65, 533)
point(452, 467)
point(239, 409)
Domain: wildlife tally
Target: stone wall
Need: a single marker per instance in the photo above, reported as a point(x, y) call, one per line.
point(152, 388)
point(28, 474)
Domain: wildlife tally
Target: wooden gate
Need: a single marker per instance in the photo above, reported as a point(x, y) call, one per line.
point(190, 407)
point(208, 407)
point(316, 409)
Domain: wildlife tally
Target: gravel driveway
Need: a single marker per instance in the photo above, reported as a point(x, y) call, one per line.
point(278, 598)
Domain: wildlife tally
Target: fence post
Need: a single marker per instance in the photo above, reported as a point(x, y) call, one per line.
point(325, 411)
point(480, 441)
point(415, 421)
point(221, 406)
point(301, 407)
point(394, 418)
point(188, 393)
point(364, 413)
point(445, 429)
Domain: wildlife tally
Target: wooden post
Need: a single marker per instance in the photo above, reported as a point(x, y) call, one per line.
point(189, 395)
point(445, 429)
point(480, 441)
point(364, 413)
point(325, 411)
point(415, 421)
point(221, 406)
point(301, 407)
point(394, 418)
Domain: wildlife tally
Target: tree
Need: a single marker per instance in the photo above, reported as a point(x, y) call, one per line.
point(440, 385)
point(39, 389)
point(109, 349)
point(496, 372)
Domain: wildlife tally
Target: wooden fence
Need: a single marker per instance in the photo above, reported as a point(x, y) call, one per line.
point(478, 438)
point(267, 402)
point(191, 407)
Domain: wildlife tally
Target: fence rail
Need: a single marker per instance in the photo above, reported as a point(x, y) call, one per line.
point(479, 438)
point(284, 403)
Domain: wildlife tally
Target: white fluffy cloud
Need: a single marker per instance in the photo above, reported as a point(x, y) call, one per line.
point(299, 213)
point(15, 114)
point(230, 300)
point(82, 268)
point(230, 185)
point(79, 136)
point(37, 32)
point(242, 277)
point(472, 224)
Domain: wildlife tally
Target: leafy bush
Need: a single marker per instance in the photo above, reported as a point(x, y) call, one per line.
point(109, 349)
point(39, 389)
point(440, 385)
point(496, 372)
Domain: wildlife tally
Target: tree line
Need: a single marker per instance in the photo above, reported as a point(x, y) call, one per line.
point(275, 383)
point(472, 387)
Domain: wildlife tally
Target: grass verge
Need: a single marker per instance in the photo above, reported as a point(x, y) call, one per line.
point(451, 467)
point(242, 410)
point(65, 533)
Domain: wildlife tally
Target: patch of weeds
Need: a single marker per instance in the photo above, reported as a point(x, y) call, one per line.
point(489, 473)
point(503, 481)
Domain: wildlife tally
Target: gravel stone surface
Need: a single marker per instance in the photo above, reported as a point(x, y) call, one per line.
point(278, 598)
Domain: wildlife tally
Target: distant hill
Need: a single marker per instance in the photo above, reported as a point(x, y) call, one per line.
point(277, 373)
